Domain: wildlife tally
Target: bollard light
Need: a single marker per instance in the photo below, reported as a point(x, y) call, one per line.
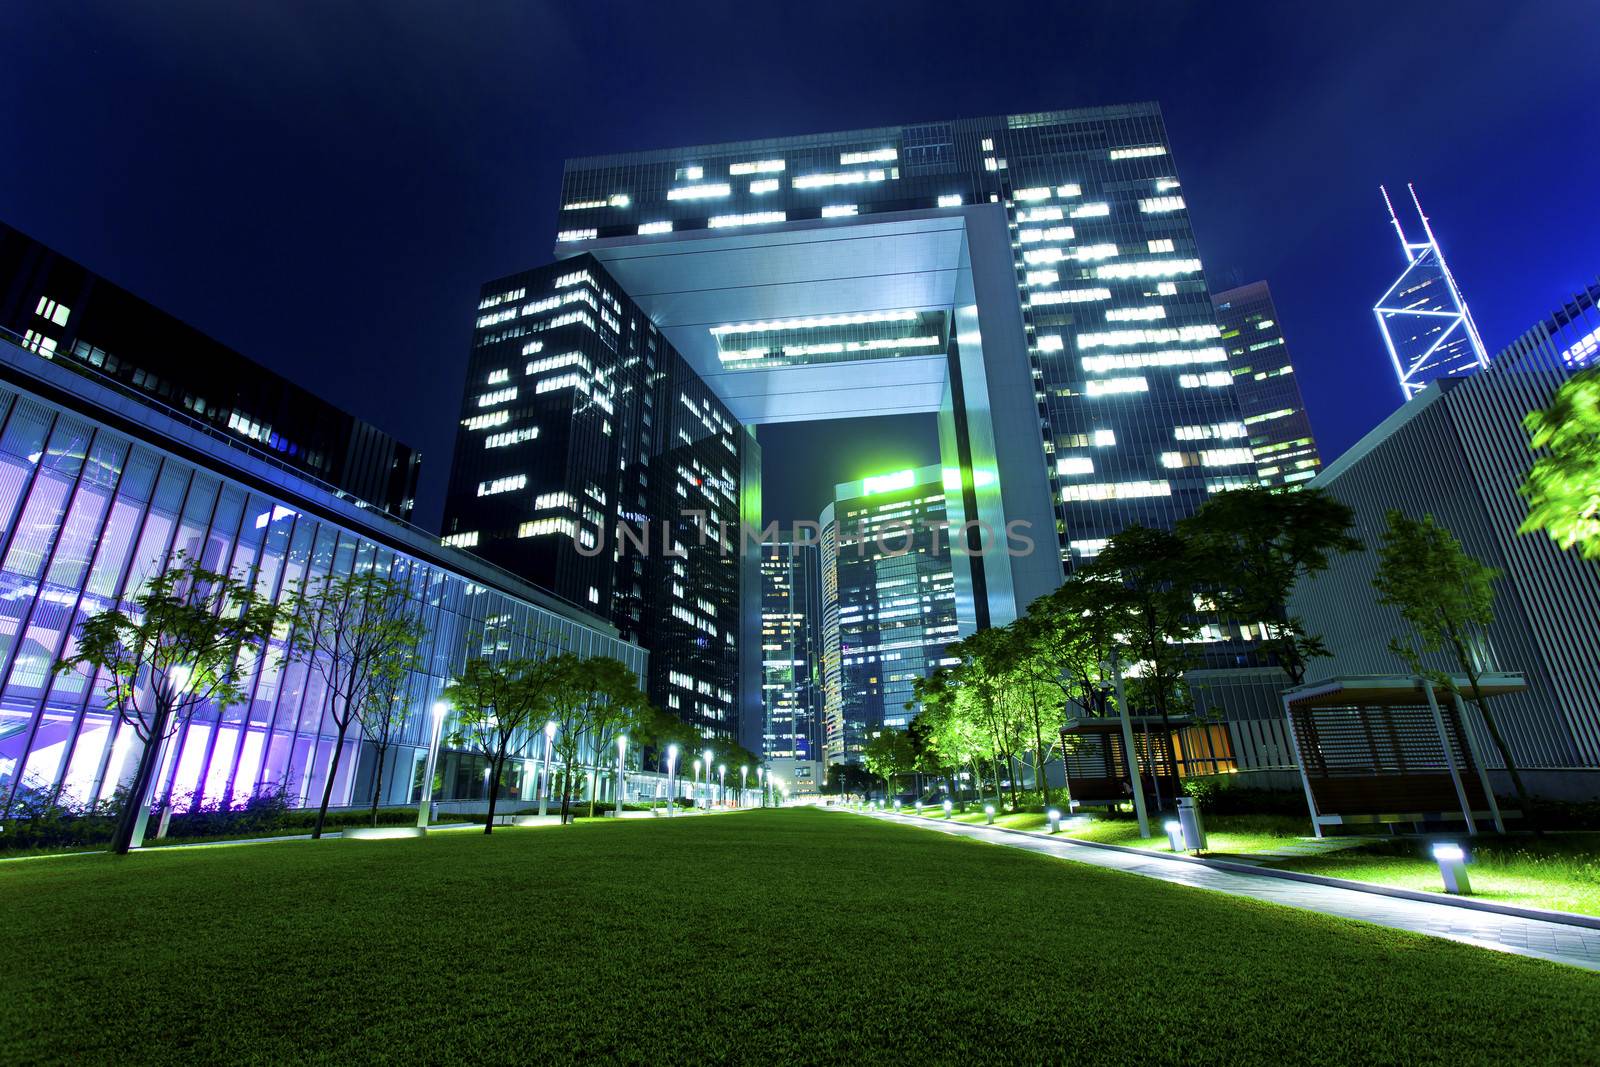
point(1054, 818)
point(897, 805)
point(1174, 830)
point(919, 807)
point(988, 814)
point(1453, 868)
point(947, 807)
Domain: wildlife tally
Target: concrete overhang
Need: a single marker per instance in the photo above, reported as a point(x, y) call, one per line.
point(691, 281)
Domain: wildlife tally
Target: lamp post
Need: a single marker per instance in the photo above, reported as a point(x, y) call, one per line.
point(544, 788)
point(706, 755)
point(672, 783)
point(694, 785)
point(744, 784)
point(440, 709)
point(761, 784)
point(722, 790)
point(622, 752)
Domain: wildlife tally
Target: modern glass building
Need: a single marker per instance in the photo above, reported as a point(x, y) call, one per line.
point(101, 486)
point(889, 604)
point(791, 686)
point(65, 312)
point(578, 417)
point(1273, 413)
point(1458, 451)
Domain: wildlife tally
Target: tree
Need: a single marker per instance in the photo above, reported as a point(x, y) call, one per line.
point(1447, 597)
point(1079, 625)
point(1158, 574)
point(1252, 545)
point(188, 639)
point(590, 701)
point(496, 704)
point(1037, 690)
point(355, 629)
point(847, 778)
point(1563, 487)
point(889, 755)
point(385, 716)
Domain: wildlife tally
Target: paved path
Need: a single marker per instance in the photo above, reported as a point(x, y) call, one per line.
point(1576, 945)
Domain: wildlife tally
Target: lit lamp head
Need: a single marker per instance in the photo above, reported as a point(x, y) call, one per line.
point(722, 768)
point(1054, 818)
point(1174, 830)
point(948, 807)
point(1452, 861)
point(549, 731)
point(697, 766)
point(672, 754)
point(622, 744)
point(988, 813)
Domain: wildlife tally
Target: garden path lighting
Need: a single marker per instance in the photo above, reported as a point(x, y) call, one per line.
point(545, 789)
point(672, 782)
point(1174, 830)
point(440, 710)
point(1453, 868)
point(947, 807)
point(622, 752)
point(695, 787)
point(988, 814)
point(1054, 818)
point(897, 805)
point(722, 790)
point(744, 784)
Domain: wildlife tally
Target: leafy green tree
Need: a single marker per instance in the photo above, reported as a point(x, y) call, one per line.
point(190, 637)
point(355, 628)
point(1158, 574)
point(590, 700)
point(497, 705)
point(949, 728)
point(889, 755)
point(1037, 691)
point(847, 778)
point(1563, 487)
point(385, 715)
point(1078, 626)
point(1250, 546)
point(1447, 597)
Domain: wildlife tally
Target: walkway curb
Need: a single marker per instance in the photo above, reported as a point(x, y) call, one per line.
point(1565, 918)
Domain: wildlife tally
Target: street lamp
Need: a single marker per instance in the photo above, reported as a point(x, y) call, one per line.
point(622, 752)
point(440, 710)
point(744, 784)
point(694, 786)
point(722, 790)
point(761, 784)
point(706, 755)
point(672, 783)
point(544, 789)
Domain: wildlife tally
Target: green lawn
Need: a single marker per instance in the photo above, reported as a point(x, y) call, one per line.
point(780, 937)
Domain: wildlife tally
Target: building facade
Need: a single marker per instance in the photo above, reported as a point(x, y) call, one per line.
point(100, 489)
point(1129, 377)
point(1458, 452)
point(791, 629)
point(889, 602)
point(1272, 411)
point(579, 420)
point(65, 312)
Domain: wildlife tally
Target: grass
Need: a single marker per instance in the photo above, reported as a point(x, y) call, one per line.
point(768, 936)
point(1556, 871)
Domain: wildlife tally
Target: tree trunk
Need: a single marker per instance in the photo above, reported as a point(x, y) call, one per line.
point(377, 782)
point(1463, 658)
point(142, 777)
point(1038, 766)
point(494, 792)
point(566, 795)
point(327, 787)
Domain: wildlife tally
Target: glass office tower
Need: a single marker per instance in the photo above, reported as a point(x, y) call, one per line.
point(889, 605)
point(1274, 419)
point(790, 630)
point(99, 491)
point(577, 417)
point(1128, 368)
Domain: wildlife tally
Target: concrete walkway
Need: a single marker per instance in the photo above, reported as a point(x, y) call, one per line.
point(1563, 943)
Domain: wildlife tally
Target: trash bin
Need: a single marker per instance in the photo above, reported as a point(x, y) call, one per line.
point(1194, 827)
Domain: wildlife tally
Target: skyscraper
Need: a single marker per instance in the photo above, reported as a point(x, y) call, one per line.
point(1273, 412)
point(791, 690)
point(1423, 317)
point(889, 603)
point(578, 415)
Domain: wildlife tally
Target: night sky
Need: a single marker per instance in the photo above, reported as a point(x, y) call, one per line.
point(325, 186)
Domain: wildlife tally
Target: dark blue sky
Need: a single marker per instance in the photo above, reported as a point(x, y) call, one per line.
point(324, 186)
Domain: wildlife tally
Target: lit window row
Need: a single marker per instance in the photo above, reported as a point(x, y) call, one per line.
point(751, 218)
point(1142, 314)
point(835, 211)
point(1211, 457)
point(1115, 490)
point(1049, 233)
point(460, 540)
point(1171, 357)
point(565, 359)
point(763, 186)
point(1216, 379)
point(655, 227)
point(1150, 268)
point(548, 501)
point(562, 381)
point(615, 200)
point(1222, 430)
point(49, 309)
point(1156, 336)
point(1139, 152)
point(834, 347)
point(1099, 439)
point(578, 235)
point(1074, 465)
point(577, 277)
point(1091, 211)
point(847, 177)
point(483, 422)
point(1268, 416)
point(759, 166)
point(511, 437)
point(499, 396)
point(951, 200)
point(710, 191)
point(1111, 386)
point(551, 525)
point(878, 155)
point(811, 322)
point(501, 298)
point(1040, 214)
point(498, 376)
point(1156, 204)
point(1057, 255)
point(1030, 195)
point(510, 483)
point(1068, 296)
point(1162, 245)
point(1043, 277)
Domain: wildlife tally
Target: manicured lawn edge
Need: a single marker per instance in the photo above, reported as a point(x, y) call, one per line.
point(1567, 918)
